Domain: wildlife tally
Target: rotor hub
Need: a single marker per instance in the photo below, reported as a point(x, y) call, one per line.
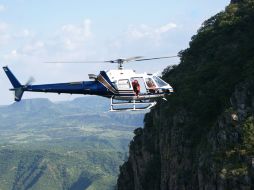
point(120, 63)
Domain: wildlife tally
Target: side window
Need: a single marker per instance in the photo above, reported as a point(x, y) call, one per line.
point(124, 84)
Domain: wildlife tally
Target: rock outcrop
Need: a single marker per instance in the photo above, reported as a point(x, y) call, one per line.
point(203, 137)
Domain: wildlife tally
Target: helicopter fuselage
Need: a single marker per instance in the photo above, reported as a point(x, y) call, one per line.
point(117, 84)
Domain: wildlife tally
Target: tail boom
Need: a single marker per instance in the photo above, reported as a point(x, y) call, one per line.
point(82, 87)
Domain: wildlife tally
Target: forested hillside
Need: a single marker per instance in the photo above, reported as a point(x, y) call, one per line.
point(203, 137)
point(72, 145)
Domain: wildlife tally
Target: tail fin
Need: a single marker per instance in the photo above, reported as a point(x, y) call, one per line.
point(17, 87)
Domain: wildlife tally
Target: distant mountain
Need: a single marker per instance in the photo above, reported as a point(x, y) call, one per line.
point(87, 104)
point(90, 104)
point(87, 109)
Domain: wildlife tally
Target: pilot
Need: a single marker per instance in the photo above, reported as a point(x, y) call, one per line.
point(136, 87)
point(151, 86)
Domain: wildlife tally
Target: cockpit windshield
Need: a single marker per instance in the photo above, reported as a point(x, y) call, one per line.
point(159, 81)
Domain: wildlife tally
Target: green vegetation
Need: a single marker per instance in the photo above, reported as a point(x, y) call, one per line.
point(248, 135)
point(41, 169)
point(73, 145)
point(197, 118)
point(220, 56)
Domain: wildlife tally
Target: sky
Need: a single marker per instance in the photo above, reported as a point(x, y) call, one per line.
point(33, 32)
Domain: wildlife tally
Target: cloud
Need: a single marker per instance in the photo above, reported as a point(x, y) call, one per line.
point(74, 42)
point(10, 56)
point(77, 42)
point(2, 8)
point(165, 28)
point(145, 31)
point(74, 36)
point(69, 42)
point(25, 33)
point(9, 37)
point(146, 39)
point(3, 27)
point(33, 46)
point(18, 44)
point(4, 34)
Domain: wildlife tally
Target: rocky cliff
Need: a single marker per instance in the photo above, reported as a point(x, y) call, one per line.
point(203, 137)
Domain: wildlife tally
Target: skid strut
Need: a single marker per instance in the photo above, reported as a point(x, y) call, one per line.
point(130, 105)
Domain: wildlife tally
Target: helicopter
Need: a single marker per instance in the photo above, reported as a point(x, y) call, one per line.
point(127, 90)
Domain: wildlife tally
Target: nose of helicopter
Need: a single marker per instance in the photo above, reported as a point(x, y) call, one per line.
point(168, 90)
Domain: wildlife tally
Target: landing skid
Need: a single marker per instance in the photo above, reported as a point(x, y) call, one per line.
point(130, 105)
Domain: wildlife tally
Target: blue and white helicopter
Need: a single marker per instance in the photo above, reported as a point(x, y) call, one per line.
point(127, 90)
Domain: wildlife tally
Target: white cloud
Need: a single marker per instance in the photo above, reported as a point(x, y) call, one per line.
point(145, 31)
point(70, 42)
point(74, 42)
point(33, 47)
point(29, 53)
point(146, 39)
point(4, 34)
point(12, 55)
point(25, 33)
point(74, 36)
point(59, 46)
point(2, 8)
point(165, 28)
point(3, 27)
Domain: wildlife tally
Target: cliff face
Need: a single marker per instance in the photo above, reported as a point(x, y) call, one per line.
point(203, 137)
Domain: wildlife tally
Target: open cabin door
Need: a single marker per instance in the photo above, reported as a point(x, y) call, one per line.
point(141, 83)
point(133, 104)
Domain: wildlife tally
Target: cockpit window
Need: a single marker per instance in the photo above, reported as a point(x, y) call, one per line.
point(150, 84)
point(159, 81)
point(124, 84)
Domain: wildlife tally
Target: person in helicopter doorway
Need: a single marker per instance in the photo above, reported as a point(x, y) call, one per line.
point(136, 87)
point(151, 86)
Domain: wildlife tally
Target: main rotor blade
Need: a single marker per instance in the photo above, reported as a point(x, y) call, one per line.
point(133, 58)
point(75, 61)
point(157, 58)
point(122, 60)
